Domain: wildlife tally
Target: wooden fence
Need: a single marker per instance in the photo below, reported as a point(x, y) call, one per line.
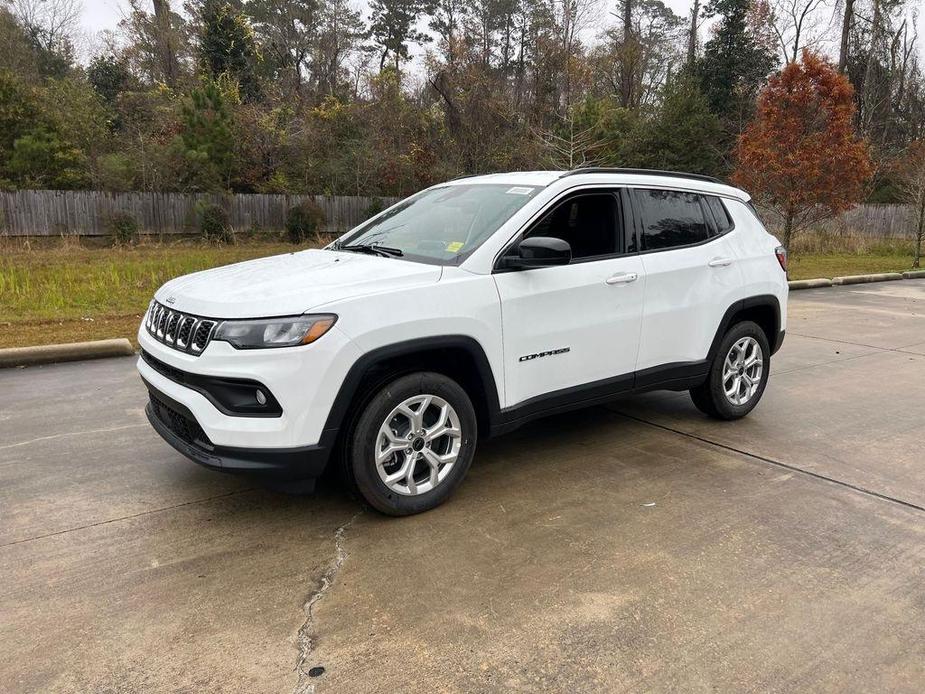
point(874, 221)
point(87, 213)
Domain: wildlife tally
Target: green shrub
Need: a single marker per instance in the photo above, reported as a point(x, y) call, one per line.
point(374, 208)
point(214, 224)
point(304, 221)
point(122, 228)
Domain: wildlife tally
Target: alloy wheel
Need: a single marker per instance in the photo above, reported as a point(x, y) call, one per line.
point(418, 444)
point(742, 370)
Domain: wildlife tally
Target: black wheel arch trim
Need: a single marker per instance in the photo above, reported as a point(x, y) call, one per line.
point(344, 400)
point(775, 339)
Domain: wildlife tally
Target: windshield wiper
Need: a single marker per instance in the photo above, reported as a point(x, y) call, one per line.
point(372, 249)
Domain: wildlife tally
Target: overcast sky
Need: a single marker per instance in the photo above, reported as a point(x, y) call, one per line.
point(100, 15)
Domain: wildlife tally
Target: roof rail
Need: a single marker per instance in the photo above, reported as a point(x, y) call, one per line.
point(642, 172)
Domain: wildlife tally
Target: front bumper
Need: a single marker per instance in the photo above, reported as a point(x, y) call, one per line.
point(303, 380)
point(179, 427)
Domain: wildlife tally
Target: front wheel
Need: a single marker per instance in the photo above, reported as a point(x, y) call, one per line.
point(413, 444)
point(738, 374)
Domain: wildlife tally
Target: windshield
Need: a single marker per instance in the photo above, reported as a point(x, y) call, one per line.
point(442, 225)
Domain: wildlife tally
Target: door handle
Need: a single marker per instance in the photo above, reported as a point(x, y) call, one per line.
point(622, 278)
point(720, 262)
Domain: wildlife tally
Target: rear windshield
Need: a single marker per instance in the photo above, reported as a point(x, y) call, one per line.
point(443, 225)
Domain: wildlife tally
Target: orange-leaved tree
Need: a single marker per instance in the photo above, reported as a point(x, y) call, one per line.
point(800, 155)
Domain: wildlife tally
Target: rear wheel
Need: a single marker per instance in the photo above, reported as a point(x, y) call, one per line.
point(413, 444)
point(738, 374)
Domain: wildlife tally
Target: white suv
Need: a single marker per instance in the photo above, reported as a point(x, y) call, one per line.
point(463, 312)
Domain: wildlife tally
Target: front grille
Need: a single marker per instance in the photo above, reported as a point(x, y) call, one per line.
point(187, 428)
point(182, 331)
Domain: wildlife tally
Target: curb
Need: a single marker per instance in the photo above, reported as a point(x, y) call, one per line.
point(862, 279)
point(913, 274)
point(810, 284)
point(50, 354)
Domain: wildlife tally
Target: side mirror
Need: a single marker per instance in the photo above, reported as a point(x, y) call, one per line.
point(539, 251)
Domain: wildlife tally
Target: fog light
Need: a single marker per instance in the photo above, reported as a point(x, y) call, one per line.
point(261, 397)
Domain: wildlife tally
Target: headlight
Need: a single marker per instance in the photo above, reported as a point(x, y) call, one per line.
point(274, 332)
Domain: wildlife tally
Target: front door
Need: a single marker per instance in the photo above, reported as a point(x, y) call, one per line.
point(571, 326)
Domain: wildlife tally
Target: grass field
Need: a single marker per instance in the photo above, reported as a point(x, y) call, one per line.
point(65, 291)
point(68, 291)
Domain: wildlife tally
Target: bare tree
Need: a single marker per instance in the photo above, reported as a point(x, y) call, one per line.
point(634, 71)
point(692, 34)
point(630, 50)
point(872, 99)
point(166, 43)
point(288, 31)
point(340, 31)
point(847, 21)
point(158, 45)
point(912, 189)
point(50, 23)
point(570, 18)
point(799, 24)
point(570, 146)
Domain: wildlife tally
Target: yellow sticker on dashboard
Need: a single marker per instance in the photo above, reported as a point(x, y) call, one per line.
point(454, 246)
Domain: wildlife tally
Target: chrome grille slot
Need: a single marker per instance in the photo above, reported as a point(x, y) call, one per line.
point(162, 322)
point(170, 331)
point(182, 331)
point(202, 335)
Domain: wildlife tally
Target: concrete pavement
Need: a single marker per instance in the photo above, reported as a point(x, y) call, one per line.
point(633, 547)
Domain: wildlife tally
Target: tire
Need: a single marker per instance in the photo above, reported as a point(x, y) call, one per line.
point(722, 396)
point(416, 469)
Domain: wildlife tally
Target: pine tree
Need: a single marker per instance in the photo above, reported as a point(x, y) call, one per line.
point(206, 141)
point(735, 64)
point(227, 46)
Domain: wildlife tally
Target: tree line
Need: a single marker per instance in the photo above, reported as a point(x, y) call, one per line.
point(313, 96)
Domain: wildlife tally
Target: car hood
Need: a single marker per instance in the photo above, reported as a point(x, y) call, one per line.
point(290, 284)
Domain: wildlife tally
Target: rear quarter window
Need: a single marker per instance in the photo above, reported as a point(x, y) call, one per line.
point(720, 214)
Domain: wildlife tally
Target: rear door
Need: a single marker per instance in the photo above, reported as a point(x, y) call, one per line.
point(569, 326)
point(691, 276)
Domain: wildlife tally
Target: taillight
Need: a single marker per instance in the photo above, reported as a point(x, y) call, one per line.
point(781, 254)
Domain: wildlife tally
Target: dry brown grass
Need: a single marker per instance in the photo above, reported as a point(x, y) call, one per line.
point(815, 243)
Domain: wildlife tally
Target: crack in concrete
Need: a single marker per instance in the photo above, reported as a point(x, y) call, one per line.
point(901, 349)
point(71, 433)
point(771, 461)
point(306, 632)
point(131, 516)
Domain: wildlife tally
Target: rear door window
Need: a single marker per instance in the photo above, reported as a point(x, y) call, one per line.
point(671, 218)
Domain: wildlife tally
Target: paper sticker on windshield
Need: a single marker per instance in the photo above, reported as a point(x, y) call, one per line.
point(454, 246)
point(519, 190)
